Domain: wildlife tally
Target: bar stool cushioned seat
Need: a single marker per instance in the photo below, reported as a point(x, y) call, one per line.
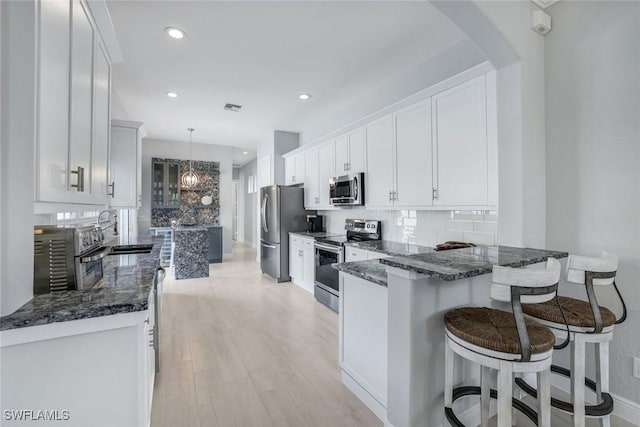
point(578, 312)
point(496, 330)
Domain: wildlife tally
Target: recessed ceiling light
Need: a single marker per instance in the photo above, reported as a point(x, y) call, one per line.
point(245, 152)
point(172, 95)
point(304, 96)
point(176, 33)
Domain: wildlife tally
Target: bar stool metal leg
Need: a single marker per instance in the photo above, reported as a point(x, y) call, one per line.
point(485, 398)
point(578, 358)
point(602, 377)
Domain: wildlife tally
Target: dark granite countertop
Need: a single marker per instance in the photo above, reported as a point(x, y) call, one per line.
point(458, 264)
point(128, 279)
point(191, 228)
point(370, 270)
point(314, 235)
point(390, 248)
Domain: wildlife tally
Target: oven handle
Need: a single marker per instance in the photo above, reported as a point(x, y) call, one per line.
point(95, 256)
point(332, 249)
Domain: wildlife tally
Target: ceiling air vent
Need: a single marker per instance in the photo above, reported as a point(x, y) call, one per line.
point(232, 107)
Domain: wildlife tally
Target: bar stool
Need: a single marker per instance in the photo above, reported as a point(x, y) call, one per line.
point(588, 323)
point(504, 341)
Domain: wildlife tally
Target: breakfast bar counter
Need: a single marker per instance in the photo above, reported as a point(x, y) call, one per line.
point(394, 324)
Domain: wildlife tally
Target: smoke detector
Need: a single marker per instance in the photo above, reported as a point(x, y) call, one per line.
point(232, 107)
point(540, 22)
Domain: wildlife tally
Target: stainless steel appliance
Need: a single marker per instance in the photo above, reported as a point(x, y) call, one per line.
point(315, 223)
point(330, 250)
point(347, 190)
point(281, 211)
point(67, 258)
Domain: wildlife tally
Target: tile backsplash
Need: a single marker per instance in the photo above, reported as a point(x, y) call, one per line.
point(426, 228)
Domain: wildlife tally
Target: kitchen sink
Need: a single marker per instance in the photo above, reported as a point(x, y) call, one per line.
point(130, 249)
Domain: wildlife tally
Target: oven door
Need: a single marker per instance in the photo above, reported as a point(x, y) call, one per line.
point(89, 268)
point(327, 277)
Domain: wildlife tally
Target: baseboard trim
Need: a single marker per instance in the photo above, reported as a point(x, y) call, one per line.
point(623, 408)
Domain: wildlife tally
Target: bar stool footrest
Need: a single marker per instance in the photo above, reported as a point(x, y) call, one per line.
point(602, 409)
point(464, 391)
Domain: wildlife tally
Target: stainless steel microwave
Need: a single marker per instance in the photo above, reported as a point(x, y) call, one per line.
point(347, 190)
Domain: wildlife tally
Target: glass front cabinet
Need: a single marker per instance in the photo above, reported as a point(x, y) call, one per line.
point(166, 184)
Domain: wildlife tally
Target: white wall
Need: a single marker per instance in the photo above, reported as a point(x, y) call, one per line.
point(180, 150)
point(592, 59)
point(17, 108)
point(247, 205)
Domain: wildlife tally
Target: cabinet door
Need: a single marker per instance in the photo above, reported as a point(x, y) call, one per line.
point(413, 156)
point(52, 152)
point(460, 144)
point(295, 263)
point(342, 155)
point(380, 171)
point(289, 170)
point(356, 151)
point(124, 166)
point(81, 132)
point(309, 265)
point(311, 195)
point(300, 163)
point(327, 170)
point(101, 121)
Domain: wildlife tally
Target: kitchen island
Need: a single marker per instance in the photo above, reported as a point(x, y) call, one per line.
point(391, 328)
point(191, 255)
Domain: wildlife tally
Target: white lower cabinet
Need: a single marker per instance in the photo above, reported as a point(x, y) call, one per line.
point(363, 341)
point(101, 370)
point(301, 262)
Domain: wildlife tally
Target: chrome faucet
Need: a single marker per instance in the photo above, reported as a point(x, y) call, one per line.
point(111, 213)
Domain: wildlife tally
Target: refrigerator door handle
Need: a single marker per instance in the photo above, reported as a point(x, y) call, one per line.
point(267, 246)
point(264, 213)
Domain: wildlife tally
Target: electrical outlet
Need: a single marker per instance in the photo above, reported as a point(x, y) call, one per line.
point(636, 367)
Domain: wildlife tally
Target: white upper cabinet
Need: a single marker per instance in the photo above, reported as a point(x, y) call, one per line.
point(294, 169)
point(73, 106)
point(379, 178)
point(357, 160)
point(326, 171)
point(311, 179)
point(350, 152)
point(52, 154)
point(460, 144)
point(126, 164)
point(439, 153)
point(413, 156)
point(81, 134)
point(101, 125)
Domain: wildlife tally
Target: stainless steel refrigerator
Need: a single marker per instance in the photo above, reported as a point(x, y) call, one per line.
point(281, 211)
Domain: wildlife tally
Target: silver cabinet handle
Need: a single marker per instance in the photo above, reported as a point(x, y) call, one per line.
point(434, 194)
point(348, 166)
point(80, 182)
point(395, 195)
point(390, 193)
point(317, 199)
point(300, 253)
point(113, 189)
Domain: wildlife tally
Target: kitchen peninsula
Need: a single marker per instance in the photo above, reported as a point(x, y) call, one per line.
point(191, 257)
point(391, 330)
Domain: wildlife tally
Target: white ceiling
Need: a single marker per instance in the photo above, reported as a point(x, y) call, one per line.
point(260, 55)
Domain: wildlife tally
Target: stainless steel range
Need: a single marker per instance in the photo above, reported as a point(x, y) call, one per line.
point(67, 258)
point(330, 250)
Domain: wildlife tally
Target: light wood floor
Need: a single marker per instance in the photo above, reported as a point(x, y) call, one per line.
point(237, 349)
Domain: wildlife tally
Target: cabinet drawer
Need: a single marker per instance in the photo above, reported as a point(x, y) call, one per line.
point(353, 254)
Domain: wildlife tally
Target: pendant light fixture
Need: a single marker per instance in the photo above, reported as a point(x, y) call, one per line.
point(190, 178)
